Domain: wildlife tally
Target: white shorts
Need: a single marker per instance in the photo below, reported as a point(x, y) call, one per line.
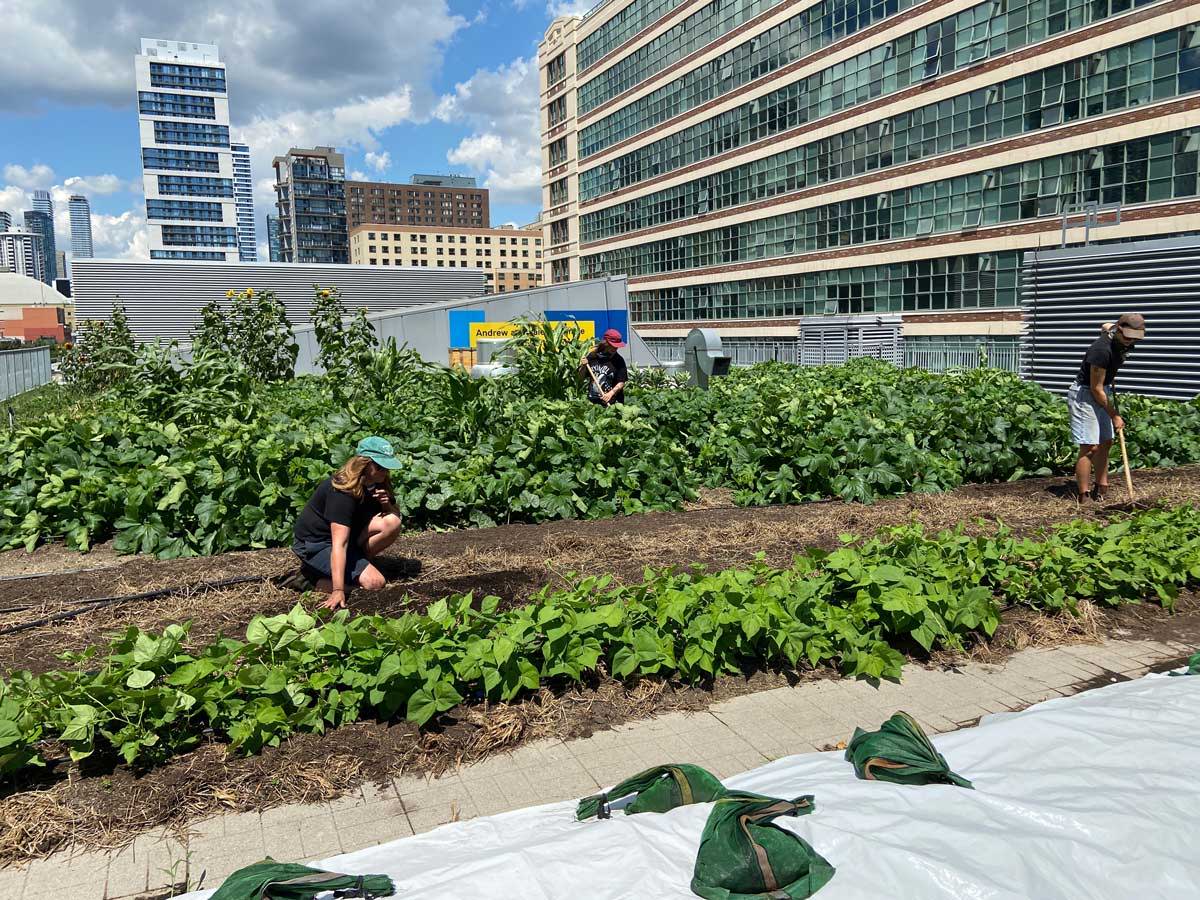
point(1090, 422)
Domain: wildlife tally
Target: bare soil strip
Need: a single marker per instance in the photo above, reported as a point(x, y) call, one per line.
point(106, 805)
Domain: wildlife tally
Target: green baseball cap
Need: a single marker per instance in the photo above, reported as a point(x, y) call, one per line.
point(378, 451)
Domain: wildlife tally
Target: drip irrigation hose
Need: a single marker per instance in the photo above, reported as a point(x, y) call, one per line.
point(93, 603)
point(33, 575)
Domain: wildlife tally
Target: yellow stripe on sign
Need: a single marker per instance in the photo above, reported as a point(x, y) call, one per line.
point(505, 330)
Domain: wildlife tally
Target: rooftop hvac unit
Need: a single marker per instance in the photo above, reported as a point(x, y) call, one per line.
point(703, 357)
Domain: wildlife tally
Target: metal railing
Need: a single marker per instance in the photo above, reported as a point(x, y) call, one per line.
point(748, 351)
point(940, 356)
point(23, 370)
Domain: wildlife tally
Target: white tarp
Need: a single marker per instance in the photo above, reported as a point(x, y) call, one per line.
point(1092, 796)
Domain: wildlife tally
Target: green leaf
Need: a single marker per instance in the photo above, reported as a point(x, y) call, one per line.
point(502, 649)
point(256, 631)
point(139, 678)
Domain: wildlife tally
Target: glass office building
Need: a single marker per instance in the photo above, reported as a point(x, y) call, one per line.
point(187, 160)
point(769, 170)
point(41, 223)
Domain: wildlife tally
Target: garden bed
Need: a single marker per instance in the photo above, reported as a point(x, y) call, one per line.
point(103, 804)
point(107, 806)
point(514, 561)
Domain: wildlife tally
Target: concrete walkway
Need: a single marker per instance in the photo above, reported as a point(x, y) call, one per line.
point(730, 737)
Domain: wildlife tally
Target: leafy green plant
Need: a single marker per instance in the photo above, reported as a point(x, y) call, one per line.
point(347, 344)
point(254, 330)
point(546, 356)
point(198, 456)
point(102, 355)
point(861, 607)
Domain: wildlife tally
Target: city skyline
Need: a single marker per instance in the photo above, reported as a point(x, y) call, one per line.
point(463, 99)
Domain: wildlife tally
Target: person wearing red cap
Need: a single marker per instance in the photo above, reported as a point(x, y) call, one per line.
point(1094, 415)
point(604, 370)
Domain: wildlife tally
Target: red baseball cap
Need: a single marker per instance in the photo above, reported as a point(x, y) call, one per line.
point(613, 337)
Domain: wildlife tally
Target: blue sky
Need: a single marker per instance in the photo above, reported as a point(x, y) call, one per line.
point(401, 86)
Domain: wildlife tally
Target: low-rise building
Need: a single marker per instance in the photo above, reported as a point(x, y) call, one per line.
point(511, 257)
point(30, 309)
point(163, 299)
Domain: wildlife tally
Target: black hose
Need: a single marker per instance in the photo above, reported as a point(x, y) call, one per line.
point(93, 603)
point(33, 575)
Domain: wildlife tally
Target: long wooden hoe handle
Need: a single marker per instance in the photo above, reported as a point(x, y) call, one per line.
point(596, 381)
point(1125, 464)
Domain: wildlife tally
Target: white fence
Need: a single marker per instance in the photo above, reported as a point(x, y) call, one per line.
point(23, 370)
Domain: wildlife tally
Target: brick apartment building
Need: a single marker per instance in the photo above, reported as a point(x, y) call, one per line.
point(431, 200)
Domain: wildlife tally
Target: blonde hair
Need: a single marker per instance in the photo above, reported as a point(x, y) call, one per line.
point(351, 477)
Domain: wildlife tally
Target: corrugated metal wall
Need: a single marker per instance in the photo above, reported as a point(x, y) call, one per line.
point(163, 299)
point(1068, 294)
point(23, 370)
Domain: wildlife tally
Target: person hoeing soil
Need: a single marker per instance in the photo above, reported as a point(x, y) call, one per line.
point(604, 370)
point(350, 519)
point(1094, 414)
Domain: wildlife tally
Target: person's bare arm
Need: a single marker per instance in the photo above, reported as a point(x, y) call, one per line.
point(1101, 397)
point(616, 389)
point(337, 566)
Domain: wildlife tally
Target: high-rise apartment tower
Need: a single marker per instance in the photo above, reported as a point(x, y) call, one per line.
point(187, 163)
point(243, 194)
point(81, 227)
point(310, 195)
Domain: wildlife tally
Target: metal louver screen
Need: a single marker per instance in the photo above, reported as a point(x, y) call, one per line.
point(836, 339)
point(1068, 294)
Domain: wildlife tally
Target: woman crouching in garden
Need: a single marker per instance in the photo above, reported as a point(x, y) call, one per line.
point(350, 519)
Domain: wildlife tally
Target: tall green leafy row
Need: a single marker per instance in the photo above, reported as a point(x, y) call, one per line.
point(783, 433)
point(205, 457)
point(859, 607)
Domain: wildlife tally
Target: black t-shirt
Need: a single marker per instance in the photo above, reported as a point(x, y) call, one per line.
point(329, 505)
point(610, 369)
point(1106, 353)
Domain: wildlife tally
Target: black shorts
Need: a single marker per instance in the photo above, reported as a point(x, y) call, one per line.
point(316, 556)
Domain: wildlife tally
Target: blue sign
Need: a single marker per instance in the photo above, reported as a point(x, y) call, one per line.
point(604, 319)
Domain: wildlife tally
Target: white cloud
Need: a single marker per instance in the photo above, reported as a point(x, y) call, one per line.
point(556, 8)
point(120, 237)
point(281, 54)
point(501, 106)
point(359, 175)
point(37, 177)
point(354, 124)
point(90, 185)
point(380, 162)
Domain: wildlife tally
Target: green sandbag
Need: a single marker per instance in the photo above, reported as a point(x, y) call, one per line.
point(900, 752)
point(744, 856)
point(1193, 666)
point(270, 880)
point(658, 790)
